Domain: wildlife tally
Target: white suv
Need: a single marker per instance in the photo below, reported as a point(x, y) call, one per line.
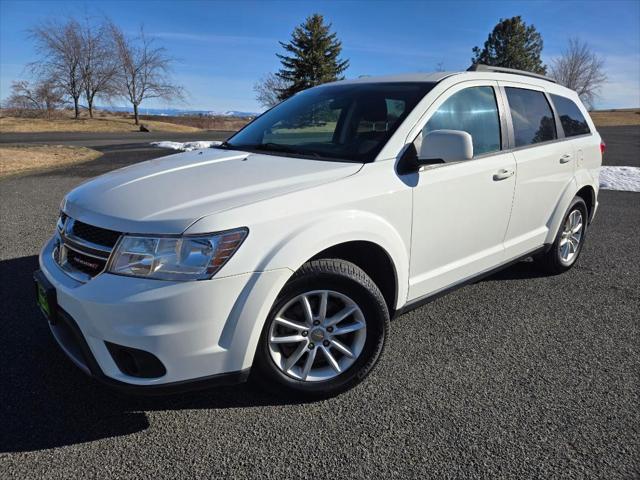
point(286, 250)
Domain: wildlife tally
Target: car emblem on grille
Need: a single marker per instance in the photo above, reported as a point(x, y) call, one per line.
point(68, 226)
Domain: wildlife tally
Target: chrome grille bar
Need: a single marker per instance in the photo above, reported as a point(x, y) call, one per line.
point(79, 258)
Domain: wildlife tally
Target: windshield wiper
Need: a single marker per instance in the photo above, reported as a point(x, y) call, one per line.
point(274, 147)
point(277, 147)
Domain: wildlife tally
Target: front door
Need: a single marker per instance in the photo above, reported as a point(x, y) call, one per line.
point(461, 210)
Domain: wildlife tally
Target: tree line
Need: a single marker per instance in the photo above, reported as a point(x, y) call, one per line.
point(312, 57)
point(82, 61)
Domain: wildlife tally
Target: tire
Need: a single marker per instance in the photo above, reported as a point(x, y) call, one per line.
point(555, 261)
point(348, 288)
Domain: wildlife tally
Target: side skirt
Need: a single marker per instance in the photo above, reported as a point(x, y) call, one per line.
point(430, 297)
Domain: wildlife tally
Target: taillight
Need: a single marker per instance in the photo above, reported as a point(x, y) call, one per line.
point(603, 147)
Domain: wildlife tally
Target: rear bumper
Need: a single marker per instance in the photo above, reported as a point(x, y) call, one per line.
point(202, 332)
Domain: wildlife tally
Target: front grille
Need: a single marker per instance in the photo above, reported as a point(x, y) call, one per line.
point(97, 235)
point(83, 250)
point(89, 265)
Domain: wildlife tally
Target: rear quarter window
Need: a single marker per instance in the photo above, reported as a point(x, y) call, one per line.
point(532, 116)
point(571, 118)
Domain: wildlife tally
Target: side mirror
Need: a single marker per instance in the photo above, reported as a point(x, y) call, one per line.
point(445, 146)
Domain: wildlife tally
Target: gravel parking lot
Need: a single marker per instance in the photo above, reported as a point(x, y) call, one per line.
point(517, 376)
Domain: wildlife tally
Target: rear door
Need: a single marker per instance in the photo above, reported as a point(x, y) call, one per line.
point(545, 165)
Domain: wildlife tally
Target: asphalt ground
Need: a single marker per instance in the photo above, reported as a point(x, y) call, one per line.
point(623, 145)
point(517, 376)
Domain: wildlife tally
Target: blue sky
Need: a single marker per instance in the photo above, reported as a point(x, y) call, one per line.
point(224, 47)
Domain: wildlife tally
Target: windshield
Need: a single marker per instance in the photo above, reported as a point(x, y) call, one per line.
point(343, 122)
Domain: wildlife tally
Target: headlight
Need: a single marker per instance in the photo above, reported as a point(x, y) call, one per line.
point(175, 258)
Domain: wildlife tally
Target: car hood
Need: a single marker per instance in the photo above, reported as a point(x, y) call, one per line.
point(168, 194)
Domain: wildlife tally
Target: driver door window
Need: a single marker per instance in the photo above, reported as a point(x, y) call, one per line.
point(473, 110)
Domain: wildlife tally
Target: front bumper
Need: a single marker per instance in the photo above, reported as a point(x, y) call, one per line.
point(201, 331)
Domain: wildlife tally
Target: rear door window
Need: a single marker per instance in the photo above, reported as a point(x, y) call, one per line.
point(475, 111)
point(571, 118)
point(532, 116)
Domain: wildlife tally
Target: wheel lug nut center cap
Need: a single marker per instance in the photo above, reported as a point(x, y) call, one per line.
point(317, 335)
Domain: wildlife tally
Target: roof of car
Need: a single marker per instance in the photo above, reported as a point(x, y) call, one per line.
point(483, 73)
point(399, 78)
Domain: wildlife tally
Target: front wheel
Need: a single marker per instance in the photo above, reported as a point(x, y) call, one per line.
point(569, 241)
point(325, 331)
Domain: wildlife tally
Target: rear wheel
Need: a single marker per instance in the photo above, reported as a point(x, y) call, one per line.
point(324, 333)
point(569, 241)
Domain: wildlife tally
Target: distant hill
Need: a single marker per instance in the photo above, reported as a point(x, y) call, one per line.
point(175, 112)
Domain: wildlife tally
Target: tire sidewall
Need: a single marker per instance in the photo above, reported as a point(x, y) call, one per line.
point(376, 320)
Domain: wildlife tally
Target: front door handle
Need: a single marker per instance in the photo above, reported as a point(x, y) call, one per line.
point(503, 174)
point(565, 158)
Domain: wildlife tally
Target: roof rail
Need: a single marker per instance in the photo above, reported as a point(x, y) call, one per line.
point(480, 67)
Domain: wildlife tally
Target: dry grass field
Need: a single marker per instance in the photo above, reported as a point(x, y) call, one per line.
point(25, 158)
point(101, 123)
point(616, 118)
point(230, 124)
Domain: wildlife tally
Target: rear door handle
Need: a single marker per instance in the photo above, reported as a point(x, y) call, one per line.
point(565, 158)
point(503, 174)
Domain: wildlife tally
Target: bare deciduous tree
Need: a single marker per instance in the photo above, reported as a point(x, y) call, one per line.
point(42, 98)
point(581, 69)
point(143, 70)
point(60, 46)
point(268, 90)
point(98, 65)
point(22, 99)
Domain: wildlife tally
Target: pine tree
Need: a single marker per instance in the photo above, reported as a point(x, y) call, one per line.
point(313, 57)
point(512, 44)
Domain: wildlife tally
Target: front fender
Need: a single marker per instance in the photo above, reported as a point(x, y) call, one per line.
point(335, 228)
point(290, 253)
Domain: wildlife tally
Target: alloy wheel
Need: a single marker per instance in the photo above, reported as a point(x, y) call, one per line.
point(317, 335)
point(571, 235)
